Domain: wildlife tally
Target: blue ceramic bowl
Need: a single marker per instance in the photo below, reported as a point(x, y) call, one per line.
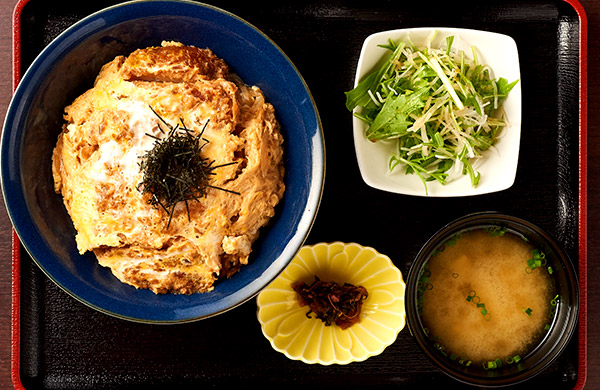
point(68, 66)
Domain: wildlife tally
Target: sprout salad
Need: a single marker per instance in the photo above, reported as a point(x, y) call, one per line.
point(441, 107)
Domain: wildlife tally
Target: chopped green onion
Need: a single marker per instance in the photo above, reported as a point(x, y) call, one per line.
point(496, 230)
point(471, 295)
point(464, 360)
point(475, 299)
point(538, 260)
point(492, 364)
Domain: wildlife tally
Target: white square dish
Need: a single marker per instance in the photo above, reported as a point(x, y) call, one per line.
point(498, 166)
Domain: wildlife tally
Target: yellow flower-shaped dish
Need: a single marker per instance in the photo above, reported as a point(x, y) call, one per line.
point(285, 323)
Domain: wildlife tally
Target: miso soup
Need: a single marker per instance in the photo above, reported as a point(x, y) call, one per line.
point(486, 297)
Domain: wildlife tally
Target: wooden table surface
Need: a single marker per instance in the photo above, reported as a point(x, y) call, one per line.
point(592, 9)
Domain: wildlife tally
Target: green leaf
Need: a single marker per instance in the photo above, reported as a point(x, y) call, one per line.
point(504, 87)
point(392, 119)
point(449, 41)
point(359, 95)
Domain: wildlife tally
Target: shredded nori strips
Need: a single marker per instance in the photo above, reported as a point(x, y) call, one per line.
point(174, 170)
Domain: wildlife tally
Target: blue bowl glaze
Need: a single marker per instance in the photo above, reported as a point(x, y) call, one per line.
point(68, 66)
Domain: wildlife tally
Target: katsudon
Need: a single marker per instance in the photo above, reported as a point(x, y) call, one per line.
point(169, 166)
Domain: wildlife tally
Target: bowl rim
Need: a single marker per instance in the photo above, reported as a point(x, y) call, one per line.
point(482, 218)
point(14, 202)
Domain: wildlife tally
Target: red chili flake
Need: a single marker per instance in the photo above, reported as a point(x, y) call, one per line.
point(330, 302)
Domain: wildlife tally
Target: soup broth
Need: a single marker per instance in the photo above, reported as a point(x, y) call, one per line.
point(482, 301)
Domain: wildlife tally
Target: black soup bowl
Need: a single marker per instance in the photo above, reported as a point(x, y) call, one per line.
point(562, 322)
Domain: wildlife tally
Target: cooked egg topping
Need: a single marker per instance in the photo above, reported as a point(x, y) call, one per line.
point(96, 168)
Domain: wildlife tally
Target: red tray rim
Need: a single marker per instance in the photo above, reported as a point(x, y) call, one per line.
point(582, 223)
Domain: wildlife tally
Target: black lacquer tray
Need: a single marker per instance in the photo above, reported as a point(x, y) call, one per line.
point(59, 343)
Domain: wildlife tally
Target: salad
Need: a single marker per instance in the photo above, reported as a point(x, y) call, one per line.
point(441, 107)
